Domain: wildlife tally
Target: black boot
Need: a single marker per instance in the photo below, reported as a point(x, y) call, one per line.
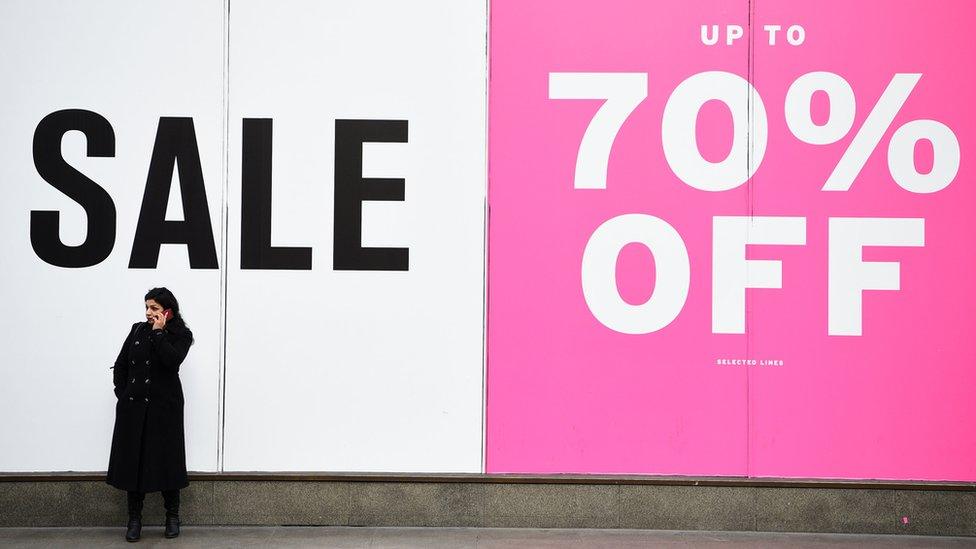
point(172, 527)
point(133, 531)
point(171, 501)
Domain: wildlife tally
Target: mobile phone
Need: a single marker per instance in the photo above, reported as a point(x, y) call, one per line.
point(168, 313)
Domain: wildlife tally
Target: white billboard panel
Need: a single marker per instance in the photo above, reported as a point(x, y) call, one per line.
point(355, 239)
point(112, 120)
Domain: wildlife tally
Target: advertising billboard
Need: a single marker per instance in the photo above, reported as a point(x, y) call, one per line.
point(731, 238)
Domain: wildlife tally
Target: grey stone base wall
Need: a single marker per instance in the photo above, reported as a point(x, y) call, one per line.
point(687, 505)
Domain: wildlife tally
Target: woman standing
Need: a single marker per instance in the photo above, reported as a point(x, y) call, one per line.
point(147, 445)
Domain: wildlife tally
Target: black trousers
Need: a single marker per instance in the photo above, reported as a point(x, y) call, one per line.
point(171, 502)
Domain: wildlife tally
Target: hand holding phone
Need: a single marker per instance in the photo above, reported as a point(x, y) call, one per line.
point(159, 319)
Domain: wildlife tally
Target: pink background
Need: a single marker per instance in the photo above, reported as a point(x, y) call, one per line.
point(567, 394)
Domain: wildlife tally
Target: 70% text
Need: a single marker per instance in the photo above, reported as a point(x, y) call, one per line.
point(623, 92)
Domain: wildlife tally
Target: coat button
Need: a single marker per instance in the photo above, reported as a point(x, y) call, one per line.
point(147, 380)
point(147, 399)
point(137, 342)
point(147, 362)
point(130, 398)
point(133, 380)
point(133, 362)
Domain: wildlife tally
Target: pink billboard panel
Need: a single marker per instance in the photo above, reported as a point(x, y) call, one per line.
point(891, 394)
point(731, 240)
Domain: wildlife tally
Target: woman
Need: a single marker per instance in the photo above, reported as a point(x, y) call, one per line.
point(147, 444)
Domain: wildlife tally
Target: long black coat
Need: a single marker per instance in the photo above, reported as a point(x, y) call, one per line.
point(148, 452)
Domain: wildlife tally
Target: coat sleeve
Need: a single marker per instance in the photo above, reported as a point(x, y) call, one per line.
point(120, 370)
point(171, 354)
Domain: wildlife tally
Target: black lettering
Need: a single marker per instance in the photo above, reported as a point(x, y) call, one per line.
point(176, 142)
point(351, 189)
point(256, 249)
point(98, 205)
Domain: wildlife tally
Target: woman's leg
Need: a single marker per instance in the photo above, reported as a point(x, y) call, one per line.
point(133, 530)
point(171, 501)
point(135, 500)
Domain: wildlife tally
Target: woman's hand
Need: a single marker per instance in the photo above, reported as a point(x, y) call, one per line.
point(159, 321)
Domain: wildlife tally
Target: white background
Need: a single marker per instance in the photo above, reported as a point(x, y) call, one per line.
point(61, 329)
point(325, 370)
point(351, 370)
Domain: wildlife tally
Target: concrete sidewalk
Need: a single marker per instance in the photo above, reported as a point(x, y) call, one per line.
point(346, 537)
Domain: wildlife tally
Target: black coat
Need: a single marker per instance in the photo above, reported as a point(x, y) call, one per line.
point(148, 452)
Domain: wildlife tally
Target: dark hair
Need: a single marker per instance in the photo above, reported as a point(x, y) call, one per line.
point(167, 300)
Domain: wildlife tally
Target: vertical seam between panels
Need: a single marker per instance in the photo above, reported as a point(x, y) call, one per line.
point(486, 220)
point(750, 196)
point(225, 185)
